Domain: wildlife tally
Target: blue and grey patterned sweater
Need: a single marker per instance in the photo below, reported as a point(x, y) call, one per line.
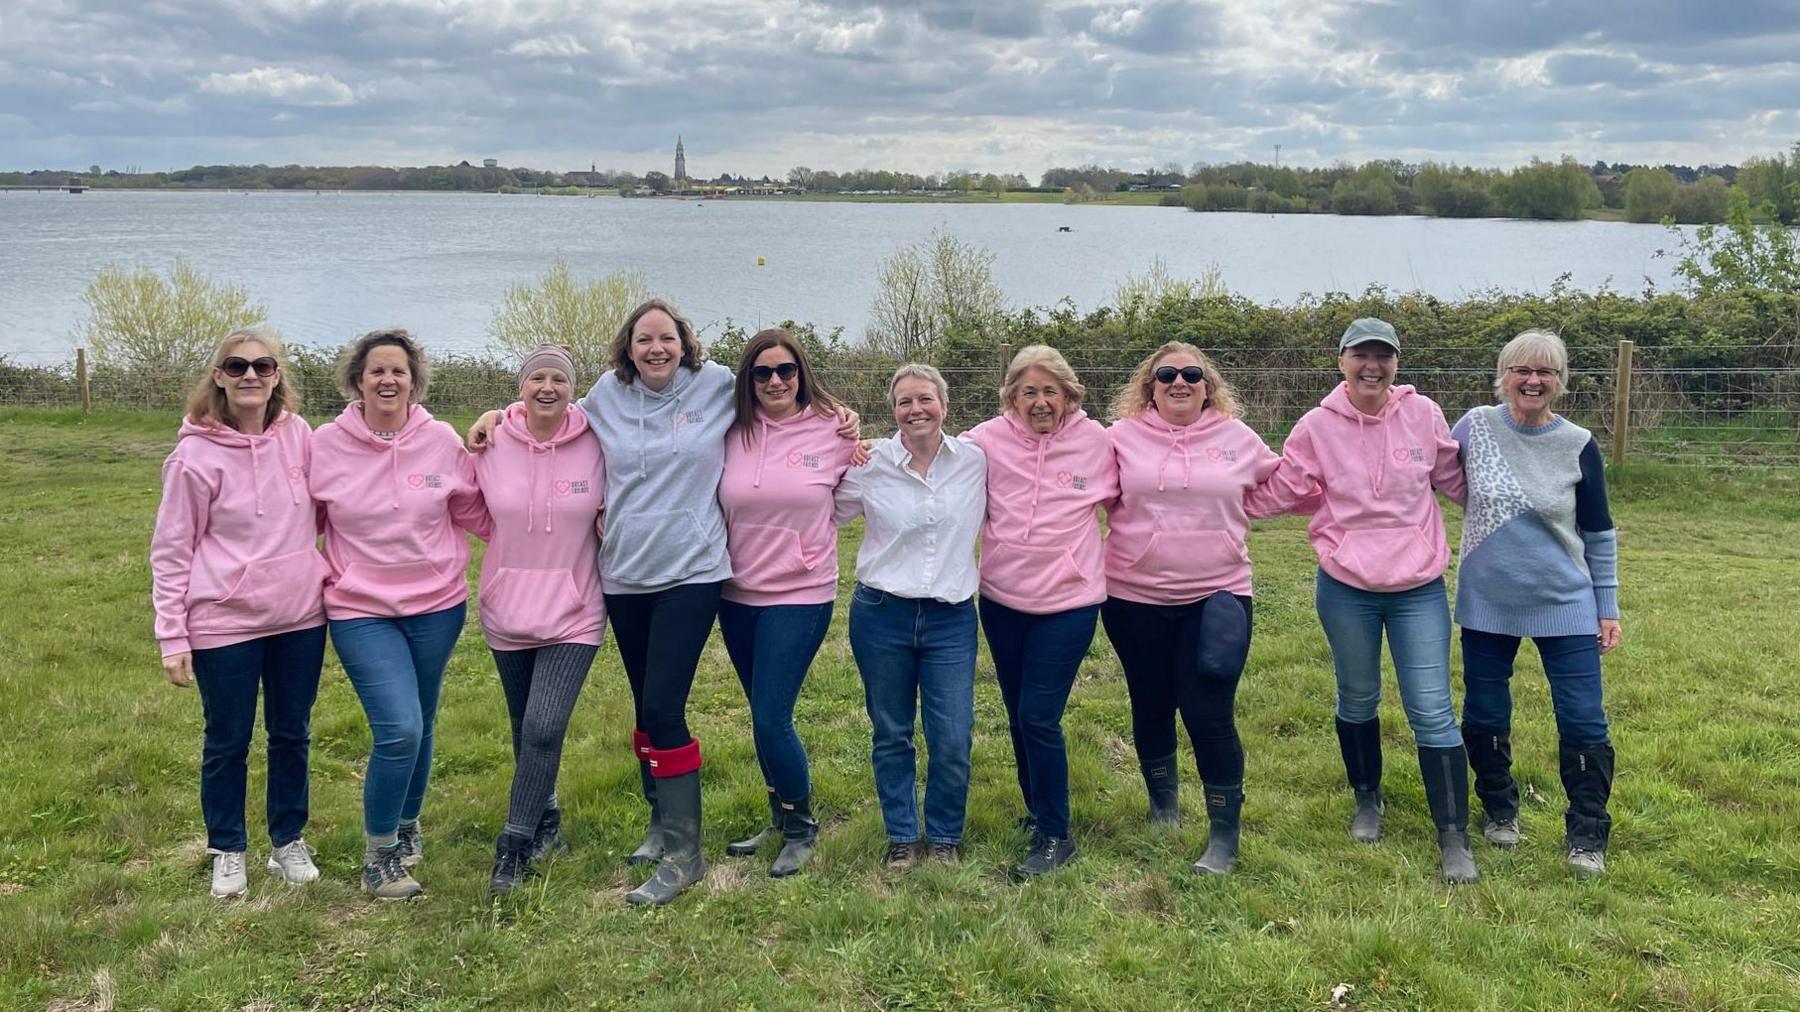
point(1539, 555)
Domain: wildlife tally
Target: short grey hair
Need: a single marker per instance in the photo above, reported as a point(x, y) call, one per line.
point(1041, 356)
point(1533, 346)
point(919, 370)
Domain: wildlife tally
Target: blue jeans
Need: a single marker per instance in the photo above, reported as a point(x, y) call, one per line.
point(1418, 633)
point(1036, 658)
point(397, 666)
point(772, 647)
point(286, 668)
point(917, 650)
point(1572, 665)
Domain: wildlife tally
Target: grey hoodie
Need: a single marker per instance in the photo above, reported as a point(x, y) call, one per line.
point(665, 453)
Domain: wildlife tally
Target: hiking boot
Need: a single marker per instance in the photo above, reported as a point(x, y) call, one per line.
point(1490, 759)
point(1586, 863)
point(799, 835)
point(1360, 745)
point(1502, 833)
point(678, 802)
point(512, 859)
point(385, 877)
point(949, 853)
point(1446, 775)
point(1048, 853)
point(412, 843)
point(1162, 782)
point(1224, 812)
point(901, 856)
point(1587, 776)
point(547, 842)
point(293, 862)
point(753, 843)
point(228, 878)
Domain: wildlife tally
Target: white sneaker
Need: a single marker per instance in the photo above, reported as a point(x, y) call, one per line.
point(228, 874)
point(293, 862)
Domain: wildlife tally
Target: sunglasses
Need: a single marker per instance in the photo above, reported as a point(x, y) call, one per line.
point(235, 366)
point(1193, 374)
point(762, 373)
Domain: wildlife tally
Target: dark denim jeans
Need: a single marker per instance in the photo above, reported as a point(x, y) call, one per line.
point(1036, 658)
point(286, 668)
point(1417, 623)
point(397, 667)
point(917, 651)
point(1572, 665)
point(772, 647)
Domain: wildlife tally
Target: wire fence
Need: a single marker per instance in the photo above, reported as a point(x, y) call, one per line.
point(1721, 405)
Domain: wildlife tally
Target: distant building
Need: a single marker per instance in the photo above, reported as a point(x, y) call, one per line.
point(490, 163)
point(680, 160)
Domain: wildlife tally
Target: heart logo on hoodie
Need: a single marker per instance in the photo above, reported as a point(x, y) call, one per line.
point(295, 473)
point(416, 480)
point(1414, 454)
point(1214, 454)
point(794, 459)
point(1063, 478)
point(562, 486)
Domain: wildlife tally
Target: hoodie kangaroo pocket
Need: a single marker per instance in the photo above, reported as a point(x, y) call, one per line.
point(534, 604)
point(1187, 562)
point(1036, 572)
point(402, 588)
point(272, 592)
point(656, 548)
point(1385, 558)
point(768, 557)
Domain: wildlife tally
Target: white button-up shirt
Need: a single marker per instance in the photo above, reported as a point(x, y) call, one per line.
point(919, 530)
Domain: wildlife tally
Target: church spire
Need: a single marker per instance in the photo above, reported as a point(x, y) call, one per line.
point(680, 159)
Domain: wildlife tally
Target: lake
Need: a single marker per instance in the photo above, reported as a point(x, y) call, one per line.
point(329, 266)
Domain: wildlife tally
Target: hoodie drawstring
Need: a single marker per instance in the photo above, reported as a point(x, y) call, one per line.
point(643, 451)
point(1178, 441)
point(256, 475)
point(762, 452)
point(1037, 483)
point(1379, 478)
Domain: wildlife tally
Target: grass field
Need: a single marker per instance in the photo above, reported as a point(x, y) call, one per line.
point(103, 879)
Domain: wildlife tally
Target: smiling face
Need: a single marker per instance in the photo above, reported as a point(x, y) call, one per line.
point(248, 395)
point(1530, 387)
point(1369, 368)
point(778, 396)
point(1178, 402)
point(546, 392)
point(386, 380)
point(655, 348)
point(918, 410)
point(1040, 402)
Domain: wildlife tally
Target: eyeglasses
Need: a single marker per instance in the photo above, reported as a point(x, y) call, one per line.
point(235, 366)
point(761, 373)
point(1526, 372)
point(1193, 374)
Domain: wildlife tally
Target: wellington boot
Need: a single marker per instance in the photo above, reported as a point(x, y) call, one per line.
point(1360, 745)
point(1446, 775)
point(1365, 825)
point(799, 834)
point(753, 843)
point(651, 850)
point(678, 803)
point(1224, 813)
point(1162, 781)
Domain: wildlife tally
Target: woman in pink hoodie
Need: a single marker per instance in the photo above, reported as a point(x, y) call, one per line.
point(544, 484)
point(1381, 452)
point(1049, 466)
point(395, 491)
point(784, 456)
point(236, 579)
point(1178, 606)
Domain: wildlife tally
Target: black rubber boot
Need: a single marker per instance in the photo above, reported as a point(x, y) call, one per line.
point(1446, 775)
point(1587, 776)
point(1224, 813)
point(651, 850)
point(1490, 757)
point(547, 841)
point(1360, 745)
point(1162, 779)
point(753, 843)
point(799, 833)
point(512, 859)
point(678, 803)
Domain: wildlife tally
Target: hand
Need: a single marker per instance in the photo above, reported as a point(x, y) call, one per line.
point(179, 669)
point(600, 525)
point(860, 455)
point(481, 434)
point(1609, 634)
point(849, 423)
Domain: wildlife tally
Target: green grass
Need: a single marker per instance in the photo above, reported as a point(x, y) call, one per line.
point(103, 880)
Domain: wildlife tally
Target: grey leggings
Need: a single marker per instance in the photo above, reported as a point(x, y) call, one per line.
point(541, 685)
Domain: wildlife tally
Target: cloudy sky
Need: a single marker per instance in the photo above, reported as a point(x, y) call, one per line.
point(759, 86)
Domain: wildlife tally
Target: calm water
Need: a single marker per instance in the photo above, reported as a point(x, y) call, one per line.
point(329, 266)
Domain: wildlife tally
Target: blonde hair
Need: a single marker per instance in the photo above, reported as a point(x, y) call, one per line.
point(1533, 345)
point(619, 351)
point(1135, 395)
point(919, 370)
point(350, 367)
point(1040, 356)
point(207, 403)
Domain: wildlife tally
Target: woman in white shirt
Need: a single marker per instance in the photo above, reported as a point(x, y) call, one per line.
point(912, 615)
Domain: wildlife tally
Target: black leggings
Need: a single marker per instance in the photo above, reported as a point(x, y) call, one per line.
point(1160, 648)
point(660, 636)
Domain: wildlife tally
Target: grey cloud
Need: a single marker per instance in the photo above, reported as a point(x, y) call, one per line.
point(1596, 68)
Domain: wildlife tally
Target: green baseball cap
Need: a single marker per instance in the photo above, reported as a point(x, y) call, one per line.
point(1366, 329)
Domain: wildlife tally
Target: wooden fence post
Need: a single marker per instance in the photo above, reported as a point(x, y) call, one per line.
point(1621, 404)
point(81, 379)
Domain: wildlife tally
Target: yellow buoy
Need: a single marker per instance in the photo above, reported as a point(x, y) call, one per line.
point(759, 261)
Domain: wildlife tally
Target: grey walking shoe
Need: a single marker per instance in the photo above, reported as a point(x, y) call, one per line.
point(1586, 863)
point(412, 843)
point(1365, 825)
point(1455, 857)
point(385, 876)
point(1502, 833)
point(293, 862)
point(748, 846)
point(681, 865)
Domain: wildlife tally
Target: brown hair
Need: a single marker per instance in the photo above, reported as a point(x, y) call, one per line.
point(1135, 395)
point(619, 351)
point(350, 366)
point(207, 404)
point(808, 393)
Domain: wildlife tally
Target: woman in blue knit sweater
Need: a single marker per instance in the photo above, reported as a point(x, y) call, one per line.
point(1539, 560)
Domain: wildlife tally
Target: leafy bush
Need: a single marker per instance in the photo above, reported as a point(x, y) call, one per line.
point(141, 322)
point(559, 309)
point(931, 290)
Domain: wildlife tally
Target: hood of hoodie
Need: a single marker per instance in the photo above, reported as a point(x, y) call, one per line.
point(1338, 402)
point(514, 423)
point(265, 441)
point(1179, 437)
point(1029, 437)
point(352, 421)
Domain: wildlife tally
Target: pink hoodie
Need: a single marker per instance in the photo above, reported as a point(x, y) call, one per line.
point(394, 513)
point(1379, 527)
point(234, 556)
point(1040, 547)
point(1186, 496)
point(776, 495)
point(540, 578)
